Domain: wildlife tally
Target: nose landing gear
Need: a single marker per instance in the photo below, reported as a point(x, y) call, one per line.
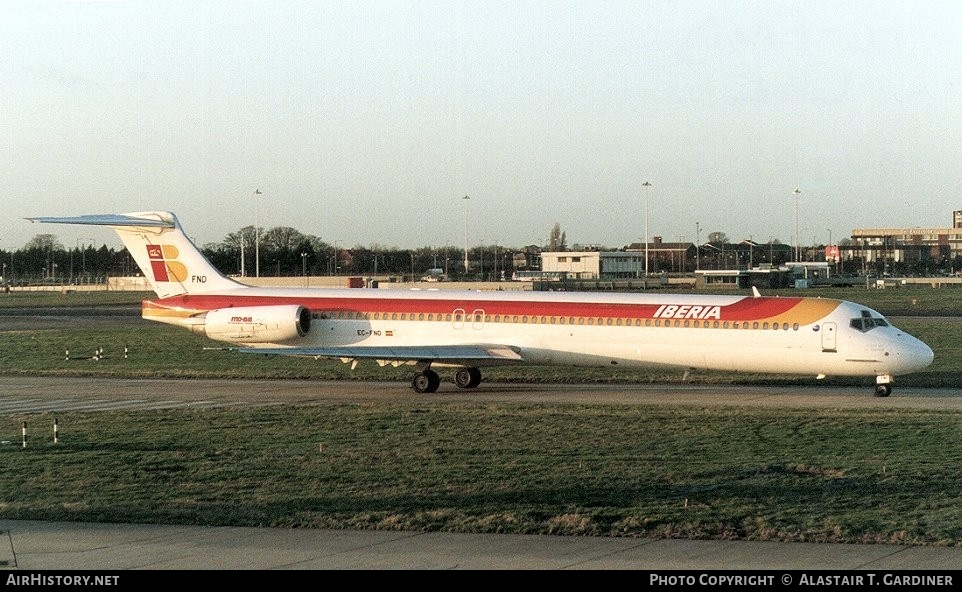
point(883, 385)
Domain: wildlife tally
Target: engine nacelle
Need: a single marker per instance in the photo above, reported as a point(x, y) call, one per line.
point(258, 324)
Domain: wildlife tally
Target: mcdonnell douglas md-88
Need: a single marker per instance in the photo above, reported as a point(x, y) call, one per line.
point(466, 330)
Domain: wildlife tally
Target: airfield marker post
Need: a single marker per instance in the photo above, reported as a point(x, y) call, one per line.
point(24, 432)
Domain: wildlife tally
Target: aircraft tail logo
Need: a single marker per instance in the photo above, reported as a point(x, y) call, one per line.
point(164, 263)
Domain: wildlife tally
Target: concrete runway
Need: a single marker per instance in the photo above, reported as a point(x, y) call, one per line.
point(31, 545)
point(32, 394)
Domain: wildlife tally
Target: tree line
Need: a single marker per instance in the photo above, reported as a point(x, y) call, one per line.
point(278, 251)
point(285, 251)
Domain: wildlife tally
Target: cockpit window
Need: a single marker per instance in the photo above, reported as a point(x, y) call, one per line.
point(867, 322)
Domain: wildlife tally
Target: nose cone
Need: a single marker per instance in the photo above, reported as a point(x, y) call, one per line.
point(912, 355)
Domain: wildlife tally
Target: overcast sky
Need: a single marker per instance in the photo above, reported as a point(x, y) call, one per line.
point(366, 123)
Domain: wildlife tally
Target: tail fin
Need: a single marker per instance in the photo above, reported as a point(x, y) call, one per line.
point(169, 260)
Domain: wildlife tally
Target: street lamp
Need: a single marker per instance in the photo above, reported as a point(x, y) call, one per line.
point(257, 234)
point(466, 199)
point(82, 247)
point(647, 187)
point(697, 246)
point(798, 238)
point(834, 256)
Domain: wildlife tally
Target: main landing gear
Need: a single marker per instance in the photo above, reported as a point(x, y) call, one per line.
point(428, 381)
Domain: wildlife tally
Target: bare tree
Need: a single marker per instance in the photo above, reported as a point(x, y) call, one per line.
point(44, 242)
point(557, 240)
point(718, 238)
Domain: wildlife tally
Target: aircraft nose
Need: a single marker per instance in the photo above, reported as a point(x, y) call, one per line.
point(915, 355)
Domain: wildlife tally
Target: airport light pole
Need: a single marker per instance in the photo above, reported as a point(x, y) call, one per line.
point(257, 234)
point(697, 246)
point(647, 187)
point(834, 256)
point(798, 238)
point(81, 246)
point(466, 199)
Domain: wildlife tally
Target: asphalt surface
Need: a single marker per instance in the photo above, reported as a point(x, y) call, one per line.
point(29, 545)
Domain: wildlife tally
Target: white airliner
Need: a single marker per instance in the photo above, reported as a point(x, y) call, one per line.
point(466, 330)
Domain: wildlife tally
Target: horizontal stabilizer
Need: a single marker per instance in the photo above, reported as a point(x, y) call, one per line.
point(107, 220)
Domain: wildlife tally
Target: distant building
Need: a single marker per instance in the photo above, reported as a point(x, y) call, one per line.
point(871, 251)
point(665, 257)
point(906, 250)
point(662, 258)
point(599, 265)
point(582, 265)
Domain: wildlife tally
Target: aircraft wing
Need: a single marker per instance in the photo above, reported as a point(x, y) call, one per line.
point(469, 354)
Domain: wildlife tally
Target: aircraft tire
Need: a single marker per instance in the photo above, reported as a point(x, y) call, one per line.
point(426, 382)
point(883, 390)
point(467, 377)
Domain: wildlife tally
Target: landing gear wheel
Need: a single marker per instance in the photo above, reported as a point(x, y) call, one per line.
point(467, 377)
point(426, 382)
point(883, 390)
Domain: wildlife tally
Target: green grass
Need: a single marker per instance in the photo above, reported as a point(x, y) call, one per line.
point(880, 476)
point(54, 299)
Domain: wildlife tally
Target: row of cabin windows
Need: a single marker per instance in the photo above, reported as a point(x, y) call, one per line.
point(552, 320)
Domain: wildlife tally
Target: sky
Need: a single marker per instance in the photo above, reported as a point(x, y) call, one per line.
point(366, 123)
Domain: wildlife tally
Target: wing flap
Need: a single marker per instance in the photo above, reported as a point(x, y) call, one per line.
point(452, 354)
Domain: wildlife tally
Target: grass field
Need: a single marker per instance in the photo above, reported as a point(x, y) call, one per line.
point(877, 475)
point(880, 476)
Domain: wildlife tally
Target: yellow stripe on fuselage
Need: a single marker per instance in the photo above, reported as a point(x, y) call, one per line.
point(808, 311)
